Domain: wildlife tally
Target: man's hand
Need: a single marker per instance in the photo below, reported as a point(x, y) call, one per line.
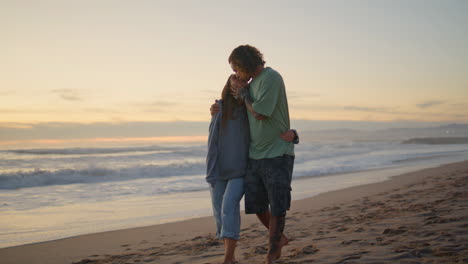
point(259, 116)
point(239, 89)
point(214, 108)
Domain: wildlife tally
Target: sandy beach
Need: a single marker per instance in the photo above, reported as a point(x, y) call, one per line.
point(418, 217)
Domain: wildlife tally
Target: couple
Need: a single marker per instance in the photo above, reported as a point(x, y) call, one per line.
point(251, 151)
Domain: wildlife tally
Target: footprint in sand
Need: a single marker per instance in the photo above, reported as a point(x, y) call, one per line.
point(334, 208)
point(307, 250)
point(260, 250)
point(393, 232)
point(342, 229)
point(209, 256)
point(349, 242)
point(360, 229)
point(150, 249)
point(84, 261)
point(353, 256)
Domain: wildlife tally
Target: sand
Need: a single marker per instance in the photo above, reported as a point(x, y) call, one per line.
point(419, 217)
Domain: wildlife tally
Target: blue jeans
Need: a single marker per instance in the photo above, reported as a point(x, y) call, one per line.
point(225, 198)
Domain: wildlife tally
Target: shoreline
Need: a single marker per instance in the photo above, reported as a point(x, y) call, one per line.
point(132, 211)
point(115, 243)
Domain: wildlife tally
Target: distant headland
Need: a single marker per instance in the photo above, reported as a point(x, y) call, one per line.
point(437, 140)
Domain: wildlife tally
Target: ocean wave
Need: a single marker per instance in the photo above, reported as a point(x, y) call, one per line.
point(93, 151)
point(40, 177)
point(311, 160)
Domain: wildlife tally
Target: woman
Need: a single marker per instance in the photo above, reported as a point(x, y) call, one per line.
point(228, 153)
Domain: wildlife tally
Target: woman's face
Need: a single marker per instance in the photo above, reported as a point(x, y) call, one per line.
point(241, 74)
point(236, 82)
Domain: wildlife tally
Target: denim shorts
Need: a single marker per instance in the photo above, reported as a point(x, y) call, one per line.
point(268, 185)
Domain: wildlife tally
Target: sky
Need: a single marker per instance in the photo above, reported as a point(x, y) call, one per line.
point(80, 63)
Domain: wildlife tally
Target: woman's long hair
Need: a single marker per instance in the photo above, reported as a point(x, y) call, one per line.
point(229, 104)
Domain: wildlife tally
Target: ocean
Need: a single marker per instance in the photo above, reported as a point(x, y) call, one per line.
point(53, 193)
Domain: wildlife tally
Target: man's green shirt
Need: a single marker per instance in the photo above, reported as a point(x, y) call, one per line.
point(269, 99)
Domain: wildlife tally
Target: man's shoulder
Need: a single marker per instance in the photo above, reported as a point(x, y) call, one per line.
point(270, 72)
point(273, 75)
point(268, 78)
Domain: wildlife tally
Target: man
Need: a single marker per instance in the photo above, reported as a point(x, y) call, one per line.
point(271, 158)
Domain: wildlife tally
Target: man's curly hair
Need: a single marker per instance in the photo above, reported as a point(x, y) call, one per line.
point(247, 58)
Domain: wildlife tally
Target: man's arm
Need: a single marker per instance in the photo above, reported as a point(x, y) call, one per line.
point(214, 108)
point(244, 95)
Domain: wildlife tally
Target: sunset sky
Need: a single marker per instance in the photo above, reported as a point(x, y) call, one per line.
point(148, 61)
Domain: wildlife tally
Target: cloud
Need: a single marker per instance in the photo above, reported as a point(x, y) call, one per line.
point(15, 125)
point(370, 109)
point(163, 103)
point(353, 108)
point(459, 105)
point(294, 95)
point(158, 106)
point(207, 91)
point(10, 111)
point(102, 110)
point(6, 92)
point(24, 111)
point(68, 94)
point(429, 104)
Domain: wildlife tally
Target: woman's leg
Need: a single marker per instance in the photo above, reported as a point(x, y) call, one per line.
point(217, 193)
point(229, 250)
point(231, 216)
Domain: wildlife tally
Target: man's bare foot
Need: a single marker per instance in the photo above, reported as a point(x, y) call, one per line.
point(272, 256)
point(284, 240)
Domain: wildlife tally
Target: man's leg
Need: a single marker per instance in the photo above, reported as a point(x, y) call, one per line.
point(276, 230)
point(278, 184)
point(265, 219)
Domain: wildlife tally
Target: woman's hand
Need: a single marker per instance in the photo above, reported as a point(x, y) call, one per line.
point(288, 136)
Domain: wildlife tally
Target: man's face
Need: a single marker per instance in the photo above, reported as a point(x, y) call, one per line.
point(241, 74)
